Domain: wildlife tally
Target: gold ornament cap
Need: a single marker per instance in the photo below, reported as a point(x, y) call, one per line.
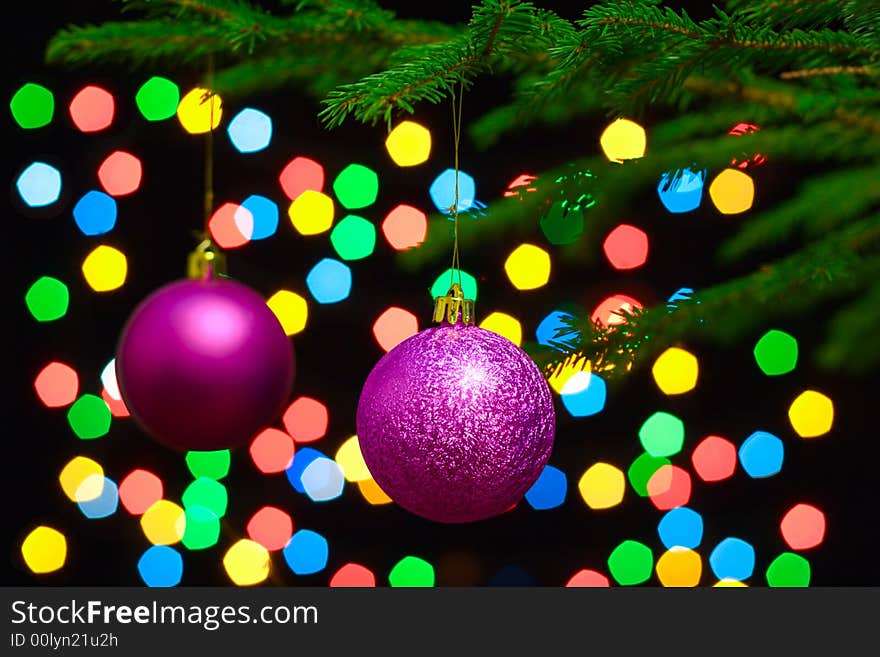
point(453, 307)
point(206, 261)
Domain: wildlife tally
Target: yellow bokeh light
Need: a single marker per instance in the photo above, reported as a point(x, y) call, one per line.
point(195, 111)
point(291, 310)
point(504, 325)
point(623, 140)
point(44, 550)
point(728, 583)
point(732, 191)
point(350, 459)
point(558, 380)
point(247, 562)
point(409, 144)
point(675, 371)
point(82, 479)
point(811, 414)
point(602, 486)
point(679, 566)
point(105, 268)
point(528, 267)
point(311, 213)
point(372, 493)
point(164, 523)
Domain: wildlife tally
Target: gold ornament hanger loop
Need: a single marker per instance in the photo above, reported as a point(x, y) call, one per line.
point(453, 307)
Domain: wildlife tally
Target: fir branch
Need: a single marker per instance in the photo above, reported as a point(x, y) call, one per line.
point(789, 13)
point(828, 70)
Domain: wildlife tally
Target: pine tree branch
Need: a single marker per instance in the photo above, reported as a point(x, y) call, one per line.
point(828, 70)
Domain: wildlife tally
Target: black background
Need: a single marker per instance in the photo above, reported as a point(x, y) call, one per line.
point(336, 351)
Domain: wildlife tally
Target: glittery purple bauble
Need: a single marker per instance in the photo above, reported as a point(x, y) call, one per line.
point(204, 364)
point(455, 423)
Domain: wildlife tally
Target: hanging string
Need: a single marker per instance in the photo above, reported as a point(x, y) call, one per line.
point(209, 148)
point(456, 133)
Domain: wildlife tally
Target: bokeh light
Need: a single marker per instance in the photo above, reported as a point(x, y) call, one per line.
point(681, 190)
point(117, 406)
point(108, 379)
point(662, 434)
point(679, 566)
point(323, 480)
point(353, 238)
point(732, 191)
point(32, 106)
point(47, 299)
point(301, 174)
point(291, 309)
point(231, 226)
point(612, 311)
point(761, 455)
point(515, 188)
point(157, 99)
point(306, 553)
point(584, 394)
point(562, 223)
point(44, 550)
point(57, 385)
point(626, 247)
point(250, 130)
point(776, 353)
point(803, 527)
point(105, 268)
point(394, 326)
point(89, 417)
point(405, 227)
point(372, 493)
point(631, 563)
point(163, 523)
point(409, 144)
point(306, 420)
point(329, 281)
point(301, 460)
point(120, 173)
point(642, 469)
point(39, 185)
point(681, 527)
point(788, 570)
point(528, 267)
point(82, 479)
point(95, 213)
point(442, 191)
point(202, 528)
point(675, 371)
point(92, 109)
point(211, 464)
point(200, 111)
point(444, 281)
point(714, 458)
point(264, 212)
point(139, 490)
point(732, 558)
point(104, 505)
point(353, 575)
point(811, 414)
point(728, 583)
point(623, 140)
point(160, 566)
point(669, 487)
point(602, 486)
point(208, 493)
point(548, 491)
point(350, 459)
point(270, 527)
point(547, 329)
point(504, 325)
point(588, 578)
point(246, 562)
point(411, 572)
point(272, 451)
point(356, 187)
point(571, 368)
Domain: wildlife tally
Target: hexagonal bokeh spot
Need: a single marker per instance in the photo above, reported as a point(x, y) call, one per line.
point(732, 558)
point(44, 550)
point(139, 490)
point(306, 420)
point(612, 311)
point(803, 527)
point(405, 227)
point(445, 280)
point(200, 111)
point(681, 190)
point(105, 268)
point(681, 527)
point(47, 299)
point(761, 455)
point(602, 486)
point(92, 109)
point(811, 414)
point(626, 247)
point(247, 563)
point(311, 213)
point(353, 238)
point(39, 185)
point(157, 99)
point(442, 191)
point(623, 140)
point(584, 394)
point(631, 563)
point(504, 325)
point(675, 371)
point(642, 469)
point(528, 267)
point(662, 434)
point(776, 353)
point(679, 567)
point(57, 385)
point(714, 458)
point(250, 130)
point(788, 570)
point(669, 487)
point(411, 571)
point(329, 281)
point(548, 491)
point(291, 309)
point(120, 173)
point(270, 527)
point(306, 552)
point(95, 213)
point(32, 106)
point(272, 451)
point(588, 578)
point(409, 144)
point(732, 191)
point(356, 187)
point(301, 174)
point(394, 326)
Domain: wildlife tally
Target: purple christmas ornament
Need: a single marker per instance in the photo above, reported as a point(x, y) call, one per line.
point(455, 423)
point(204, 364)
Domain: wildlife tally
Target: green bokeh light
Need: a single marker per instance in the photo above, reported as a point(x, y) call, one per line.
point(212, 465)
point(208, 493)
point(89, 417)
point(642, 469)
point(776, 353)
point(32, 106)
point(788, 570)
point(662, 434)
point(561, 227)
point(356, 186)
point(410, 572)
point(353, 238)
point(631, 563)
point(202, 528)
point(444, 281)
point(47, 299)
point(157, 99)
